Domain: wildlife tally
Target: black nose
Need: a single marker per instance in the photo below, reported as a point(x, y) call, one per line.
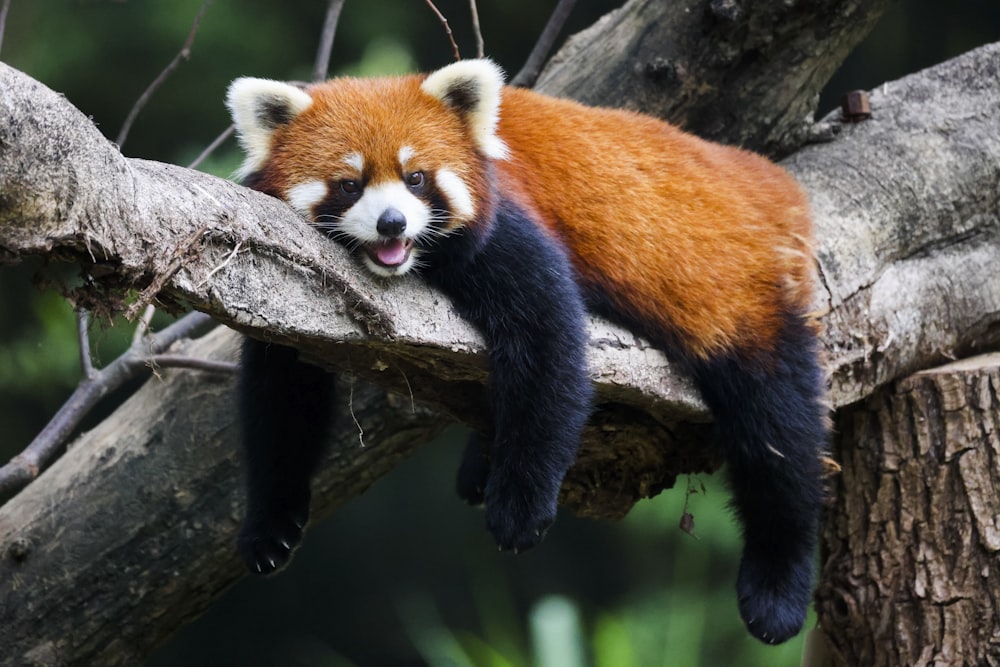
point(392, 222)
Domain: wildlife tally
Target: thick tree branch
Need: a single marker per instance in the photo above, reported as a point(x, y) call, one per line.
point(907, 215)
point(710, 65)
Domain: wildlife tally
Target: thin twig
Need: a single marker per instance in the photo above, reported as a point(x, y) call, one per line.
point(182, 55)
point(27, 465)
point(447, 29)
point(480, 45)
point(3, 18)
point(322, 65)
point(142, 326)
point(533, 65)
point(224, 264)
point(228, 132)
point(83, 338)
point(161, 276)
point(193, 363)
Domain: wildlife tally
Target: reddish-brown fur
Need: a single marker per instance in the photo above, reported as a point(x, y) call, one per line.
point(705, 241)
point(654, 215)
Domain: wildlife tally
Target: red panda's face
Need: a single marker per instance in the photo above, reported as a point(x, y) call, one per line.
point(386, 166)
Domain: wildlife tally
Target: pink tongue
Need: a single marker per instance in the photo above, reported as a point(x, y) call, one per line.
point(391, 253)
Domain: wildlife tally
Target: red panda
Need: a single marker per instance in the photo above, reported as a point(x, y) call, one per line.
point(527, 211)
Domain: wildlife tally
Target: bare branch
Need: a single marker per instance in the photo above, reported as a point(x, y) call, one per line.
point(322, 65)
point(211, 148)
point(3, 18)
point(83, 336)
point(193, 363)
point(97, 384)
point(142, 326)
point(447, 29)
point(477, 30)
point(533, 65)
point(192, 325)
point(182, 55)
point(320, 69)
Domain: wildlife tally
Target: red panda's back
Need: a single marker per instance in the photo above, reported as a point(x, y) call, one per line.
point(706, 241)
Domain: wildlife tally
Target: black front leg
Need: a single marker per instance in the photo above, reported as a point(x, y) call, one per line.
point(284, 409)
point(518, 288)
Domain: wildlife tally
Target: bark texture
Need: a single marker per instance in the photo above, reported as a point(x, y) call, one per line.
point(910, 565)
point(132, 533)
point(708, 65)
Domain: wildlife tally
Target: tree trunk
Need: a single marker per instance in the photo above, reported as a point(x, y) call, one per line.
point(910, 569)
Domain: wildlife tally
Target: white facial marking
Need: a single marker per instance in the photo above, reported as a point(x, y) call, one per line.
point(456, 192)
point(304, 196)
point(356, 162)
point(361, 220)
point(405, 153)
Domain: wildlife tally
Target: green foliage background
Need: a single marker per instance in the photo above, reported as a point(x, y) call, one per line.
point(405, 575)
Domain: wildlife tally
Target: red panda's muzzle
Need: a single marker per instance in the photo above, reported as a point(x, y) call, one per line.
point(389, 253)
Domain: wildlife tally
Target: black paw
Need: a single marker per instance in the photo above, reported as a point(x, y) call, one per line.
point(266, 544)
point(519, 515)
point(773, 600)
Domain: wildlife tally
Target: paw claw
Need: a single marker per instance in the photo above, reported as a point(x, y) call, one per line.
point(267, 543)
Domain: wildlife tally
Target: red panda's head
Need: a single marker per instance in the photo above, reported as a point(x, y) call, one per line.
point(384, 165)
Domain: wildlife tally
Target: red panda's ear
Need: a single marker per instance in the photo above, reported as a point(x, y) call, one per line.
point(472, 88)
point(258, 107)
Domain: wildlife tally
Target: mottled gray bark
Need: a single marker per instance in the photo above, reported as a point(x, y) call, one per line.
point(709, 65)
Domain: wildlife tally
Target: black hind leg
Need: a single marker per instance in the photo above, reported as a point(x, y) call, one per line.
point(285, 415)
point(771, 422)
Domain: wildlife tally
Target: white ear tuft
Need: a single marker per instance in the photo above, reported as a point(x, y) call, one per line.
point(473, 88)
point(258, 107)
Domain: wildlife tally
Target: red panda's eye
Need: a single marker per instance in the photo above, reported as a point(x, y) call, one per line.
point(350, 187)
point(415, 179)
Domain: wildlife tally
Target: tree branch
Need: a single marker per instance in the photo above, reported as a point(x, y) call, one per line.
point(528, 74)
point(325, 48)
point(97, 384)
point(477, 30)
point(4, 8)
point(708, 65)
point(181, 56)
point(447, 28)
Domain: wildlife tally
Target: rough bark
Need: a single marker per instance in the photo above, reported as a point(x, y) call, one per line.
point(247, 260)
point(708, 65)
point(910, 564)
point(132, 533)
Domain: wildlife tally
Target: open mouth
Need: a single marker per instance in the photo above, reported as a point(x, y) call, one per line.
point(390, 253)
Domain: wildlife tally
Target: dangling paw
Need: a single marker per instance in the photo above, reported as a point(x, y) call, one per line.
point(266, 542)
point(518, 514)
point(773, 598)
